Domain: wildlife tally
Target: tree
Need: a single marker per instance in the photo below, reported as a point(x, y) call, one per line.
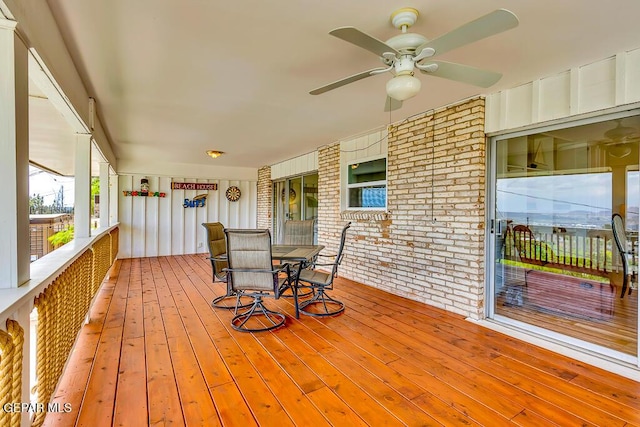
point(62, 237)
point(58, 202)
point(95, 190)
point(36, 204)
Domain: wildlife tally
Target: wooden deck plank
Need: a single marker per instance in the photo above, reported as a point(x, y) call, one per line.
point(195, 400)
point(315, 357)
point(162, 392)
point(293, 400)
point(97, 405)
point(385, 361)
point(486, 385)
point(263, 404)
point(131, 398)
point(229, 401)
point(334, 409)
point(460, 341)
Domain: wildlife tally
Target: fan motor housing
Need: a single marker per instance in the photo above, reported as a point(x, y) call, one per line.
point(406, 42)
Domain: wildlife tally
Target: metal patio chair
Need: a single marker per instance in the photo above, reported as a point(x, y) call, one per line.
point(251, 273)
point(620, 237)
point(321, 304)
point(216, 242)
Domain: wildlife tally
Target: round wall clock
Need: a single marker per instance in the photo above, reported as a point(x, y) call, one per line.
point(233, 194)
point(292, 195)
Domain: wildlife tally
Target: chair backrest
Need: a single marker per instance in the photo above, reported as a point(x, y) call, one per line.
point(619, 233)
point(340, 255)
point(529, 249)
point(250, 250)
point(217, 246)
point(298, 232)
point(620, 237)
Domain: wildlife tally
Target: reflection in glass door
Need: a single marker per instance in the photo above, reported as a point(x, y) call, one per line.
point(555, 264)
point(295, 198)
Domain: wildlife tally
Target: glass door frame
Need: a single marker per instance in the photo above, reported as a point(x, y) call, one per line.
point(301, 214)
point(493, 230)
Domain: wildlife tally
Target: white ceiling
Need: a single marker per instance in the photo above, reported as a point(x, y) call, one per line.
point(174, 78)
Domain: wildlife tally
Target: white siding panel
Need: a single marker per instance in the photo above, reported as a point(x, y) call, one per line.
point(164, 216)
point(632, 75)
point(364, 147)
point(138, 220)
point(597, 85)
point(555, 95)
point(154, 226)
point(151, 221)
point(190, 240)
point(611, 82)
point(296, 166)
point(521, 97)
point(125, 216)
point(493, 109)
point(177, 219)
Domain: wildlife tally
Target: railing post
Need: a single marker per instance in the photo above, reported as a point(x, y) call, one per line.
point(23, 317)
point(82, 203)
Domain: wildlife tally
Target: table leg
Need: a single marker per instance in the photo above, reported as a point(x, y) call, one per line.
point(295, 291)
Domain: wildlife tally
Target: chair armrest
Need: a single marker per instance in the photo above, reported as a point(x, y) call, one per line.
point(326, 264)
point(256, 270)
point(331, 255)
point(222, 257)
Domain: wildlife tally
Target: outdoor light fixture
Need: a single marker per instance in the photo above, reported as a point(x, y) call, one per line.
point(403, 86)
point(214, 153)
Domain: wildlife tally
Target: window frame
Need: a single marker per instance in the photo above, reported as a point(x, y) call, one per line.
point(383, 183)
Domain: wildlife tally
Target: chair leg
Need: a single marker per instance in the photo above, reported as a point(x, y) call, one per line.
point(239, 321)
point(228, 301)
point(328, 306)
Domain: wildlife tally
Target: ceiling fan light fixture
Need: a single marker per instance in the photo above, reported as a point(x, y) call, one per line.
point(619, 150)
point(214, 153)
point(403, 87)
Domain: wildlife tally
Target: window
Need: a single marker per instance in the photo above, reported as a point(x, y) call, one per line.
point(367, 184)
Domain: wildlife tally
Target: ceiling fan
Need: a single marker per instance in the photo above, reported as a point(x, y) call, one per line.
point(618, 141)
point(404, 53)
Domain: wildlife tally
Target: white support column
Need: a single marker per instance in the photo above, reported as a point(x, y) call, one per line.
point(113, 201)
point(14, 149)
point(105, 200)
point(82, 209)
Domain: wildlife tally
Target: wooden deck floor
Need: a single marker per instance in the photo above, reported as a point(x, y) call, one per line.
point(155, 352)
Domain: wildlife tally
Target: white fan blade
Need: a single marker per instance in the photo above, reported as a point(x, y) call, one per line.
point(347, 80)
point(493, 23)
point(392, 104)
point(463, 73)
point(365, 41)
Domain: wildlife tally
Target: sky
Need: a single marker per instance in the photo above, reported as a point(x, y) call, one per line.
point(562, 193)
point(47, 185)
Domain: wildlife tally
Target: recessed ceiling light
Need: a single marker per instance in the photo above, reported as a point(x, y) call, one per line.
point(214, 153)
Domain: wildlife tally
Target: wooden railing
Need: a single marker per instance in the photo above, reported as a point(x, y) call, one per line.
point(61, 296)
point(590, 252)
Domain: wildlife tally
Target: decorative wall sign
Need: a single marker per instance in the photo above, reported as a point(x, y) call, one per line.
point(196, 202)
point(194, 186)
point(135, 193)
point(233, 193)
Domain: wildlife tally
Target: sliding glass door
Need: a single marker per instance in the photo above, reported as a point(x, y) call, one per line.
point(295, 198)
point(554, 265)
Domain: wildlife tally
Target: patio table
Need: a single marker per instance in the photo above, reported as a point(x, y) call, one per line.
point(300, 254)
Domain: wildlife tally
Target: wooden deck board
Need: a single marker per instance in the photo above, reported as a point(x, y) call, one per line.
point(156, 352)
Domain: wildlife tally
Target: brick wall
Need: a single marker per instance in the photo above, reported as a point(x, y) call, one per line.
point(430, 245)
point(265, 197)
point(329, 222)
